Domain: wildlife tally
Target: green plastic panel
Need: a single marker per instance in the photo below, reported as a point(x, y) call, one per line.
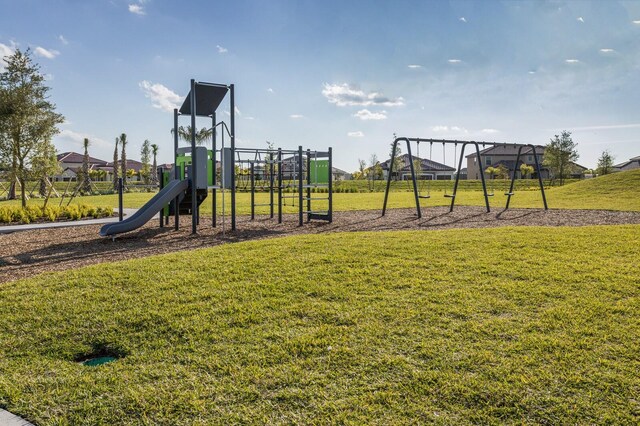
point(319, 171)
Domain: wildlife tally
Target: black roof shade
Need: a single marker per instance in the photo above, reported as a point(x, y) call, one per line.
point(208, 99)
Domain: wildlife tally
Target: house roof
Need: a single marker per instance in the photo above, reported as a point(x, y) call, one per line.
point(131, 165)
point(75, 157)
point(626, 163)
point(337, 171)
point(507, 149)
point(425, 165)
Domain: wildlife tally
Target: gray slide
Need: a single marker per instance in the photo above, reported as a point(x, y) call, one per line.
point(146, 212)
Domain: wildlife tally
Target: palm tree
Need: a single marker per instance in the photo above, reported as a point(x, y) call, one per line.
point(85, 186)
point(154, 173)
point(202, 135)
point(115, 166)
point(123, 158)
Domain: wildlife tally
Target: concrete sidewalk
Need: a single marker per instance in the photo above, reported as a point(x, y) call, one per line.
point(46, 225)
point(8, 419)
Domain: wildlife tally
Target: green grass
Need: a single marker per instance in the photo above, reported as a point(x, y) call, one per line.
point(507, 326)
point(620, 191)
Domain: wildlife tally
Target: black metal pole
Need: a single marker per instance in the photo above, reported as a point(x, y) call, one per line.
point(176, 172)
point(279, 185)
point(513, 179)
point(455, 185)
point(160, 186)
point(300, 171)
point(544, 197)
point(330, 185)
point(391, 162)
point(413, 178)
point(194, 162)
point(214, 165)
point(233, 155)
point(271, 184)
point(482, 179)
point(253, 191)
point(309, 184)
point(120, 203)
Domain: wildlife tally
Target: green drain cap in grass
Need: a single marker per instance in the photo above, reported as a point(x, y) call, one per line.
point(94, 362)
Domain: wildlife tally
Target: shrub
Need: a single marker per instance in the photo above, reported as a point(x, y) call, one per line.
point(31, 213)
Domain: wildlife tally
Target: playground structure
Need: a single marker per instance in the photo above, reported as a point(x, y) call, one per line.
point(291, 174)
point(444, 142)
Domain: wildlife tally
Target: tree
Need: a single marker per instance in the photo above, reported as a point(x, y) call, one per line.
point(115, 166)
point(501, 171)
point(399, 162)
point(154, 175)
point(145, 158)
point(27, 118)
point(202, 135)
point(605, 163)
point(559, 154)
point(526, 170)
point(44, 165)
point(123, 158)
point(362, 165)
point(85, 184)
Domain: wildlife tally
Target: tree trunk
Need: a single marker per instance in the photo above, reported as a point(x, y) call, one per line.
point(12, 191)
point(23, 193)
point(43, 187)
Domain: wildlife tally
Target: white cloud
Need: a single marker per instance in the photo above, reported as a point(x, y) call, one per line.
point(137, 9)
point(346, 95)
point(45, 53)
point(604, 127)
point(270, 90)
point(449, 129)
point(532, 72)
point(454, 61)
point(489, 131)
point(571, 61)
point(636, 22)
point(76, 139)
point(249, 118)
point(161, 97)
point(63, 40)
point(365, 114)
point(296, 116)
point(237, 110)
point(463, 19)
point(606, 50)
point(580, 19)
point(5, 51)
point(414, 66)
point(221, 49)
point(357, 134)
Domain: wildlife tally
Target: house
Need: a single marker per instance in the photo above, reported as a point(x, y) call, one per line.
point(339, 174)
point(428, 170)
point(71, 163)
point(632, 164)
point(505, 155)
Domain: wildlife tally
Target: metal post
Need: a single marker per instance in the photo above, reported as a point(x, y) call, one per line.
point(391, 162)
point(330, 185)
point(413, 178)
point(513, 179)
point(271, 184)
point(120, 203)
point(484, 183)
point(176, 204)
point(309, 184)
point(214, 165)
point(160, 186)
point(253, 191)
point(544, 197)
point(194, 162)
point(233, 155)
point(279, 185)
point(300, 185)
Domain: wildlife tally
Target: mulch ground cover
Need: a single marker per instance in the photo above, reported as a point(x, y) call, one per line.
point(27, 253)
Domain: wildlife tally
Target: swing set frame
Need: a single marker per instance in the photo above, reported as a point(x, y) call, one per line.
point(464, 144)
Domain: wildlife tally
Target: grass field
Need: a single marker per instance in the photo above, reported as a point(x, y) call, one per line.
point(510, 325)
point(620, 191)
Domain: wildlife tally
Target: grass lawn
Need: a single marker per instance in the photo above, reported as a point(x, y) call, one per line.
point(508, 325)
point(620, 191)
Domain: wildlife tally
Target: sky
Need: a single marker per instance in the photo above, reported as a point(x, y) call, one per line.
point(346, 74)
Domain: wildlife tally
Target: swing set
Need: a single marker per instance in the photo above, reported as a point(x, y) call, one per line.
point(418, 189)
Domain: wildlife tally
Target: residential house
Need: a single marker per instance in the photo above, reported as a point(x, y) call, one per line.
point(632, 164)
point(71, 165)
point(504, 154)
point(428, 170)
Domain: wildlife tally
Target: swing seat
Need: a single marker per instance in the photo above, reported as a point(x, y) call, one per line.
point(449, 195)
point(424, 196)
point(508, 193)
point(491, 195)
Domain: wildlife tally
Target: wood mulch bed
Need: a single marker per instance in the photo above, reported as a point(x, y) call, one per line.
point(27, 253)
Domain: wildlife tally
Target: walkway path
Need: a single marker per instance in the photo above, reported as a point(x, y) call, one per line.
point(46, 225)
point(8, 419)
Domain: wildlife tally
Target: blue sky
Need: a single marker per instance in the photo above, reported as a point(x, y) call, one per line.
point(346, 74)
